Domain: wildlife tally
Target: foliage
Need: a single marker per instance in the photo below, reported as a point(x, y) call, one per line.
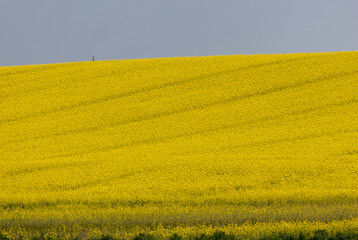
point(151, 145)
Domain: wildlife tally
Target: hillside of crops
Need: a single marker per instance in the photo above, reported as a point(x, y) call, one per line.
point(252, 145)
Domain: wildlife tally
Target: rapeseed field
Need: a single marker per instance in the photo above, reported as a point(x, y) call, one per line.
point(251, 145)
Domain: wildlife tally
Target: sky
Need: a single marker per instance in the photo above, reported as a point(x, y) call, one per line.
point(53, 31)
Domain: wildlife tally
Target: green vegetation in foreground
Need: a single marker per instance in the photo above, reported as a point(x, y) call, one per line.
point(321, 234)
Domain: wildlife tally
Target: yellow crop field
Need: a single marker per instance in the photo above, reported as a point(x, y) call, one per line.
point(252, 145)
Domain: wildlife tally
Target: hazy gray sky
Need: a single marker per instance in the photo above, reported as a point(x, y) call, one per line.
point(51, 31)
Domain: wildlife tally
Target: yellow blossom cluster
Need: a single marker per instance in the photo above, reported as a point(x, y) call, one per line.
point(251, 144)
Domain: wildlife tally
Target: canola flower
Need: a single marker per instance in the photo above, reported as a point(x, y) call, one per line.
point(254, 142)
